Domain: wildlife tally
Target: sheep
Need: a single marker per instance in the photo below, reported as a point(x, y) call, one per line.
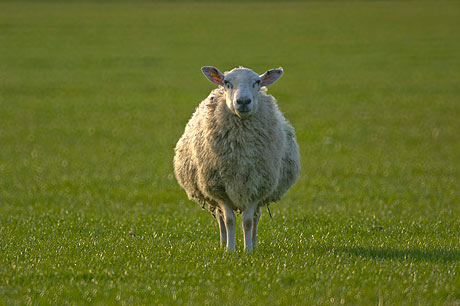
point(238, 153)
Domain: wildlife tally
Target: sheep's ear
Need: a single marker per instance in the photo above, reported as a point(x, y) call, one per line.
point(213, 74)
point(271, 76)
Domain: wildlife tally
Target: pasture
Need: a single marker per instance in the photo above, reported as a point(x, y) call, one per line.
point(94, 96)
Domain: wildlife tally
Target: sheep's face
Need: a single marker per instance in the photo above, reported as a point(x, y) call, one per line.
point(241, 90)
point(242, 87)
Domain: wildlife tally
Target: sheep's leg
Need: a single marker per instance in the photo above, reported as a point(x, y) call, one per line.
point(248, 226)
point(222, 229)
point(254, 228)
point(230, 225)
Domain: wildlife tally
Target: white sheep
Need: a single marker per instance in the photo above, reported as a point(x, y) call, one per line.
point(238, 152)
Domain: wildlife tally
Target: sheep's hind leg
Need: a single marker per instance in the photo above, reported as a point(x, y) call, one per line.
point(248, 227)
point(230, 224)
point(222, 229)
point(254, 228)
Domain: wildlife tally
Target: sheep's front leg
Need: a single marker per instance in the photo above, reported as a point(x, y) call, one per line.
point(222, 229)
point(254, 228)
point(230, 225)
point(248, 226)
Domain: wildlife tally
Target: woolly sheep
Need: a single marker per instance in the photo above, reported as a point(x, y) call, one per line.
point(238, 152)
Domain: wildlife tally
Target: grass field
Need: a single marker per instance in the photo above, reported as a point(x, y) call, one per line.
point(94, 96)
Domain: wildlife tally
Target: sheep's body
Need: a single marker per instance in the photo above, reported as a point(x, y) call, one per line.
point(229, 163)
point(223, 158)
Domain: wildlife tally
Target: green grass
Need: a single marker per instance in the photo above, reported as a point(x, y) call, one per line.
point(93, 98)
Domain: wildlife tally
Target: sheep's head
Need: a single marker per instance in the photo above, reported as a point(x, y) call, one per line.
point(241, 86)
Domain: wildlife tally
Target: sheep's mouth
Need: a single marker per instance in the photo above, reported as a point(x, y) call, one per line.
point(243, 109)
point(243, 113)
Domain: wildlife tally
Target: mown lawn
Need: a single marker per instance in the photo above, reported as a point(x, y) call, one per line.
point(94, 96)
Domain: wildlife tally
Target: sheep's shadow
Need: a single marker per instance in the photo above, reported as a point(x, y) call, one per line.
point(433, 255)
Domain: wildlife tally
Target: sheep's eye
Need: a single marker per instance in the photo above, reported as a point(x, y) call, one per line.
point(227, 84)
point(256, 83)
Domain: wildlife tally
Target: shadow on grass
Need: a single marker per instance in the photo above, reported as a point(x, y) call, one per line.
point(433, 255)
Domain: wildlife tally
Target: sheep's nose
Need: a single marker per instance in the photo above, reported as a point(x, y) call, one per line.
point(243, 101)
